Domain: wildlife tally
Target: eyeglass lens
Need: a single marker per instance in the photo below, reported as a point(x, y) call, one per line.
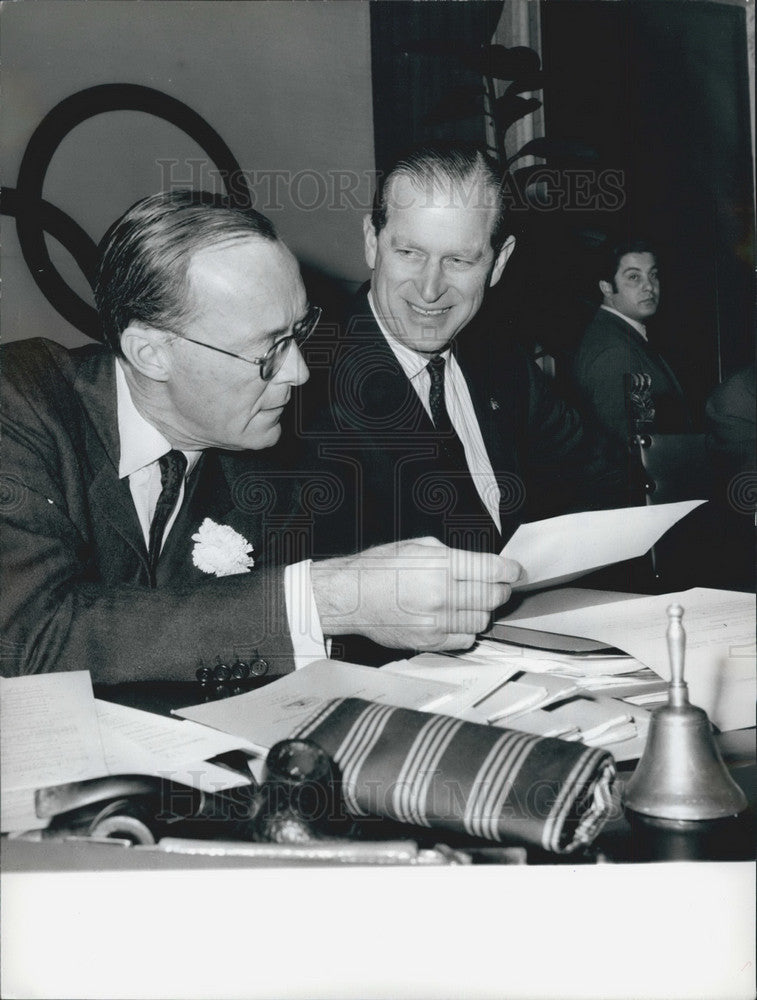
point(301, 331)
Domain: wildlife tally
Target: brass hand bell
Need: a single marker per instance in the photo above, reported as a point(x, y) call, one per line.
point(681, 775)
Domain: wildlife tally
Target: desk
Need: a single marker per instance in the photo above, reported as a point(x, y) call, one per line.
point(724, 840)
point(123, 923)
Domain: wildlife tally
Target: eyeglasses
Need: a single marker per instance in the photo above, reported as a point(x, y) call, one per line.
point(273, 359)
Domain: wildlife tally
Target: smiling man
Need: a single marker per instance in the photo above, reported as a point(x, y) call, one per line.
point(142, 541)
point(437, 424)
point(616, 345)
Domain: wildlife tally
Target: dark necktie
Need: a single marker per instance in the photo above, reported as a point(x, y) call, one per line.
point(451, 444)
point(470, 525)
point(172, 469)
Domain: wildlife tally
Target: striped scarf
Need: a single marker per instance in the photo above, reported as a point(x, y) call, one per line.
point(437, 771)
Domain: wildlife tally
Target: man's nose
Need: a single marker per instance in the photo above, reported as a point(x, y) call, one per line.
point(432, 281)
point(293, 370)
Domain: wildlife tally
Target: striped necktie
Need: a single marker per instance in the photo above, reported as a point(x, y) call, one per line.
point(172, 468)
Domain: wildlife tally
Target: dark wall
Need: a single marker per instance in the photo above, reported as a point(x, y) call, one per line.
point(408, 84)
point(661, 90)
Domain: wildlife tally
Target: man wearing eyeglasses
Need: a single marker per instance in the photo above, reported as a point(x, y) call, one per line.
point(135, 543)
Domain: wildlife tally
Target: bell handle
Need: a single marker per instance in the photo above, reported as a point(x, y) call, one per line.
point(676, 637)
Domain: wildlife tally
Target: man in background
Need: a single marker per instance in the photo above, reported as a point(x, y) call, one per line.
point(616, 346)
point(136, 543)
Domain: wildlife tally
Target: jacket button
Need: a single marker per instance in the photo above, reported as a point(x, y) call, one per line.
point(204, 674)
point(259, 667)
point(240, 670)
point(222, 672)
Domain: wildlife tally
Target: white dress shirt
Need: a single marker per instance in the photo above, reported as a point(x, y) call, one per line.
point(141, 447)
point(460, 409)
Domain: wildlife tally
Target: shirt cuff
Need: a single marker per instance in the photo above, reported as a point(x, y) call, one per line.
point(302, 613)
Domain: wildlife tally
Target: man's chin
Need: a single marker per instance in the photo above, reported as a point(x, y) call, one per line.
point(429, 338)
point(260, 438)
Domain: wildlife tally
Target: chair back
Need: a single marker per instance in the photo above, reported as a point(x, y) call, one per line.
point(675, 467)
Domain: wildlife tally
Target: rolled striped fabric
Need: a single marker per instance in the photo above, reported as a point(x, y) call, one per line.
point(437, 771)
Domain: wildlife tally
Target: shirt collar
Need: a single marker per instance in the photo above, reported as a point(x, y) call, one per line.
point(632, 322)
point(141, 444)
point(411, 362)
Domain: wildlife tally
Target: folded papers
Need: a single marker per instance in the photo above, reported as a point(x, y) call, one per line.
point(438, 771)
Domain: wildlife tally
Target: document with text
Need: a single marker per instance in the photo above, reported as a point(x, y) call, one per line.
point(273, 712)
point(720, 644)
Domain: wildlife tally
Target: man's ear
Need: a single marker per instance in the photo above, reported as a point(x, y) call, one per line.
point(502, 258)
point(370, 241)
point(606, 289)
point(145, 348)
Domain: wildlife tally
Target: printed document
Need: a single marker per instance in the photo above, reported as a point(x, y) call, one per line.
point(720, 646)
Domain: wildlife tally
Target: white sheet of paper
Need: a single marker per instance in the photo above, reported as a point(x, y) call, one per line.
point(146, 743)
point(720, 646)
point(471, 681)
point(563, 548)
point(512, 698)
point(48, 735)
point(269, 714)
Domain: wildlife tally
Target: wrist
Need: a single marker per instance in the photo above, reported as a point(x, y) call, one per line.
point(335, 589)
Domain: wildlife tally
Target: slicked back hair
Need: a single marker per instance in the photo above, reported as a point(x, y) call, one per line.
point(613, 254)
point(441, 165)
point(145, 255)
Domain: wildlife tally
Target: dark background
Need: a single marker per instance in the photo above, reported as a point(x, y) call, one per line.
point(660, 91)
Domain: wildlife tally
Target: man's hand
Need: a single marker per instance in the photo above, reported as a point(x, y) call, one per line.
point(416, 594)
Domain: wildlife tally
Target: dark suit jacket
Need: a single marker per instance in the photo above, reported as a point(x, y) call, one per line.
point(74, 562)
point(361, 419)
point(611, 349)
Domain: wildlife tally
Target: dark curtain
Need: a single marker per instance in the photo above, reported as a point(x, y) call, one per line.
point(661, 89)
point(407, 85)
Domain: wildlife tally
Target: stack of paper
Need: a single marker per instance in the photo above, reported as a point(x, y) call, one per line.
point(48, 735)
point(493, 688)
point(272, 713)
point(597, 721)
point(720, 648)
point(54, 732)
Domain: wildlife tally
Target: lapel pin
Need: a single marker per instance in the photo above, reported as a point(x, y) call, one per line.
point(493, 403)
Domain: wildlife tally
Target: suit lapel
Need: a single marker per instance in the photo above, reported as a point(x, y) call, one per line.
point(650, 355)
point(388, 392)
point(109, 497)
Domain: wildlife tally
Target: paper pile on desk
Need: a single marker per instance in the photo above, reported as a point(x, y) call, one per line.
point(720, 647)
point(54, 731)
point(500, 686)
point(272, 713)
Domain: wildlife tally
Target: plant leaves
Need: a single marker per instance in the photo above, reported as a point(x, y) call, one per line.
point(558, 150)
point(461, 102)
point(502, 63)
point(527, 82)
point(510, 108)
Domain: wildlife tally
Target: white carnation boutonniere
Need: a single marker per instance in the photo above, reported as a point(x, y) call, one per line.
point(221, 550)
